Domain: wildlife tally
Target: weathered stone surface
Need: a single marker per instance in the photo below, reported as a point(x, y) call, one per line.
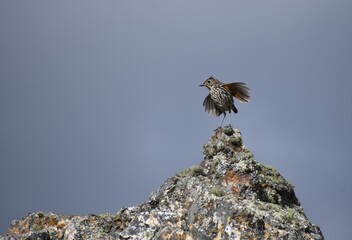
point(228, 196)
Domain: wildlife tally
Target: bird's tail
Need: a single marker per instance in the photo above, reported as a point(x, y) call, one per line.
point(234, 109)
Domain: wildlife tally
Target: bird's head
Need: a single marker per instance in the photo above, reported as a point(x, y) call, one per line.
point(210, 82)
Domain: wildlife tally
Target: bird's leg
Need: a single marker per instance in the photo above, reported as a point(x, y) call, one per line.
point(230, 118)
point(222, 119)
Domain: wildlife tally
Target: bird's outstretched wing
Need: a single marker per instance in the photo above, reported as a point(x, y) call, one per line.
point(211, 107)
point(239, 90)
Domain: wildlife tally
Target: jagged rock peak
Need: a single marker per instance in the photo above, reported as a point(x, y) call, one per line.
point(228, 196)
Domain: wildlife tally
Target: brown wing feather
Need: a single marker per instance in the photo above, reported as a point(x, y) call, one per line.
point(211, 107)
point(239, 90)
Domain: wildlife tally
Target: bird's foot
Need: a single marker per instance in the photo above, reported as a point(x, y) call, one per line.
point(218, 128)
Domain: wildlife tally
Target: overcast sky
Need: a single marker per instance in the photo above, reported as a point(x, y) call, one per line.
point(99, 100)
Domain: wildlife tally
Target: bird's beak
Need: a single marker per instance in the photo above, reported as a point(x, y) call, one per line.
point(202, 85)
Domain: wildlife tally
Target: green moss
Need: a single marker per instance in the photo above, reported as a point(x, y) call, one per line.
point(217, 191)
point(228, 131)
point(233, 160)
point(40, 214)
point(247, 155)
point(209, 152)
point(289, 215)
point(220, 147)
point(213, 168)
point(269, 207)
point(192, 171)
point(236, 141)
point(290, 186)
point(37, 227)
point(271, 175)
point(214, 231)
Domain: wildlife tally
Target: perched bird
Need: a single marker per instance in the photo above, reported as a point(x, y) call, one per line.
point(220, 98)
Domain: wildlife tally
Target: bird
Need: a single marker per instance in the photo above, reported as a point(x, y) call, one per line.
point(220, 98)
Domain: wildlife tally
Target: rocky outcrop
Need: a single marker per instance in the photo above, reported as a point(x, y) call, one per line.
point(228, 196)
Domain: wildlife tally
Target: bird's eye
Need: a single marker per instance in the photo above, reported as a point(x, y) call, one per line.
point(208, 81)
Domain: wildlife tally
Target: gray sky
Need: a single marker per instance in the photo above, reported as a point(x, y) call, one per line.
point(100, 103)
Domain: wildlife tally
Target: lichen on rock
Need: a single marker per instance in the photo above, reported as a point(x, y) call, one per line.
point(229, 195)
